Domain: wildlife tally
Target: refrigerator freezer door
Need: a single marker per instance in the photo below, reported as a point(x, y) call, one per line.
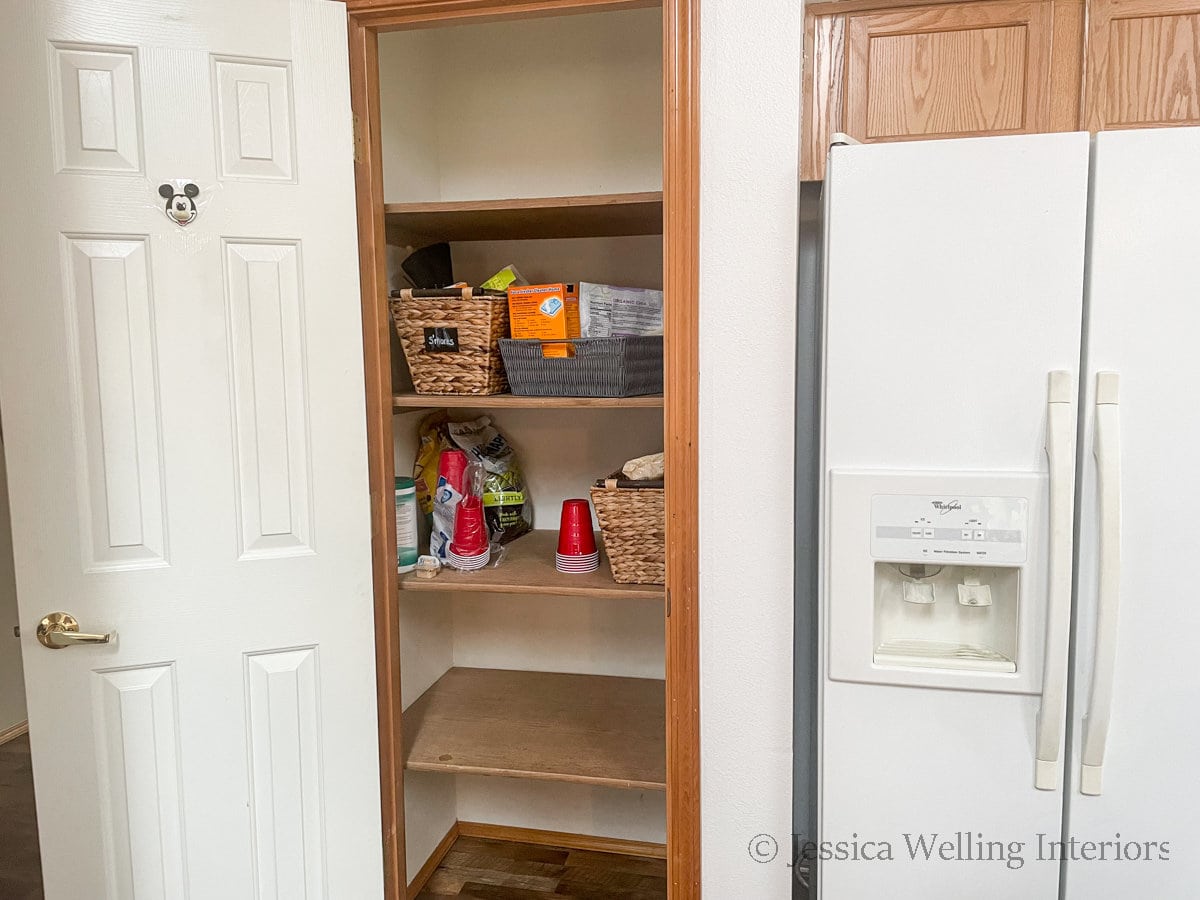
point(1143, 325)
point(954, 285)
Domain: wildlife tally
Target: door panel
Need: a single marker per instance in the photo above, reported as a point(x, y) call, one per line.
point(954, 285)
point(137, 755)
point(980, 68)
point(1143, 321)
point(903, 72)
point(185, 432)
point(95, 108)
point(111, 352)
point(1143, 64)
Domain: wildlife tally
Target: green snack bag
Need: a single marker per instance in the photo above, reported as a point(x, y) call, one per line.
point(506, 507)
point(504, 279)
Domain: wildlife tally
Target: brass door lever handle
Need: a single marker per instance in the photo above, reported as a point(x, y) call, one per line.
point(59, 630)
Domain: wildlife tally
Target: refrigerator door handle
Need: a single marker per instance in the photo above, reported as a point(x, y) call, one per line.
point(1060, 451)
point(1107, 450)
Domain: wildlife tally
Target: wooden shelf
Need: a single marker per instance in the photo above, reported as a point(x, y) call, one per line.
point(597, 215)
point(407, 401)
point(528, 568)
point(585, 729)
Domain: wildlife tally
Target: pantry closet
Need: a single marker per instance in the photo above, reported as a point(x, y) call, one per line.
point(519, 702)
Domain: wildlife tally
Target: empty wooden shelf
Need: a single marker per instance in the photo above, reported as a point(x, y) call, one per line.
point(586, 729)
point(412, 400)
point(528, 568)
point(594, 215)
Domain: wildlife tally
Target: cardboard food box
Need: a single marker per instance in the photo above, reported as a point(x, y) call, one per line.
point(545, 312)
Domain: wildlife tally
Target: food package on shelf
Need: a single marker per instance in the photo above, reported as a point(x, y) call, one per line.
point(507, 507)
point(545, 312)
point(504, 279)
point(644, 468)
point(609, 311)
point(433, 439)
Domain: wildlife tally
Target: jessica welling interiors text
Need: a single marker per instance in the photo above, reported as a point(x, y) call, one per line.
point(969, 846)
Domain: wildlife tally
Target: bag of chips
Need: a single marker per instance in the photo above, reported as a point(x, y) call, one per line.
point(433, 440)
point(506, 506)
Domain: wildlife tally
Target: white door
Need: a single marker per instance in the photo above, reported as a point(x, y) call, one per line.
point(1137, 690)
point(184, 425)
point(954, 286)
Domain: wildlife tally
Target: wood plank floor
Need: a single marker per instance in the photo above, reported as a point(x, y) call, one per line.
point(20, 865)
point(478, 869)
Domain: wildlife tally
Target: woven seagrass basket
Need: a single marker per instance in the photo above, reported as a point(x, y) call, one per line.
point(451, 339)
point(633, 519)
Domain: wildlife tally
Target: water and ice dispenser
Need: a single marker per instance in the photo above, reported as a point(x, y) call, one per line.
point(935, 578)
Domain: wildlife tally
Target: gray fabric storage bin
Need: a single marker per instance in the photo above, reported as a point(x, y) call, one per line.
point(601, 367)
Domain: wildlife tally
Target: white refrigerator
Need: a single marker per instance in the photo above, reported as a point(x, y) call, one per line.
point(1010, 423)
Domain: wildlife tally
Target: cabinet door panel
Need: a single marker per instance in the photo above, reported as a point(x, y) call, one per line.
point(971, 69)
point(904, 70)
point(946, 82)
point(1143, 64)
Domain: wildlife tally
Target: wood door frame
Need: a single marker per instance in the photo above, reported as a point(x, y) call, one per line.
point(681, 227)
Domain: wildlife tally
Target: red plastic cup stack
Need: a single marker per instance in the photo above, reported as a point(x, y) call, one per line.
point(452, 465)
point(470, 549)
point(577, 553)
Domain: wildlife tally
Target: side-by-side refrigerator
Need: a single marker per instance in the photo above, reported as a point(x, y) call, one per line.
point(1011, 473)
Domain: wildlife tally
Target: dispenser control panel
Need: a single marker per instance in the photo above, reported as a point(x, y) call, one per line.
point(949, 529)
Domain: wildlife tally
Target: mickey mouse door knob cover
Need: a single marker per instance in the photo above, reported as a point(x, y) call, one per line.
point(181, 203)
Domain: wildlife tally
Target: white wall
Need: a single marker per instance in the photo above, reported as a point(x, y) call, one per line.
point(12, 683)
point(629, 261)
point(408, 79)
point(749, 165)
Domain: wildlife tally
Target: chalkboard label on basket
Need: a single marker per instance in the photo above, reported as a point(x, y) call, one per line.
point(441, 340)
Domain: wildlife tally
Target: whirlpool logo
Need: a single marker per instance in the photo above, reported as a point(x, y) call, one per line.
point(946, 506)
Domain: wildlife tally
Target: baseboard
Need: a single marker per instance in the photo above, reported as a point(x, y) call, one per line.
point(562, 839)
point(13, 733)
point(435, 859)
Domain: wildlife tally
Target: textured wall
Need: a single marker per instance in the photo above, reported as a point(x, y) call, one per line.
point(750, 114)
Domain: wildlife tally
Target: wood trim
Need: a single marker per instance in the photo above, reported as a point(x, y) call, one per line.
point(824, 91)
point(541, 838)
point(681, 422)
point(435, 859)
point(412, 401)
point(392, 15)
point(11, 734)
point(526, 218)
point(810, 120)
point(1066, 64)
point(529, 569)
point(842, 7)
point(377, 367)
point(681, 184)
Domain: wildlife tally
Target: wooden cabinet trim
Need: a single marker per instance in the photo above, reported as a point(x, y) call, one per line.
point(1066, 64)
point(393, 15)
point(847, 7)
point(824, 85)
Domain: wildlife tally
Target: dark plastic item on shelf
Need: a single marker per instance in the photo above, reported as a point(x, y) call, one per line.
point(430, 267)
